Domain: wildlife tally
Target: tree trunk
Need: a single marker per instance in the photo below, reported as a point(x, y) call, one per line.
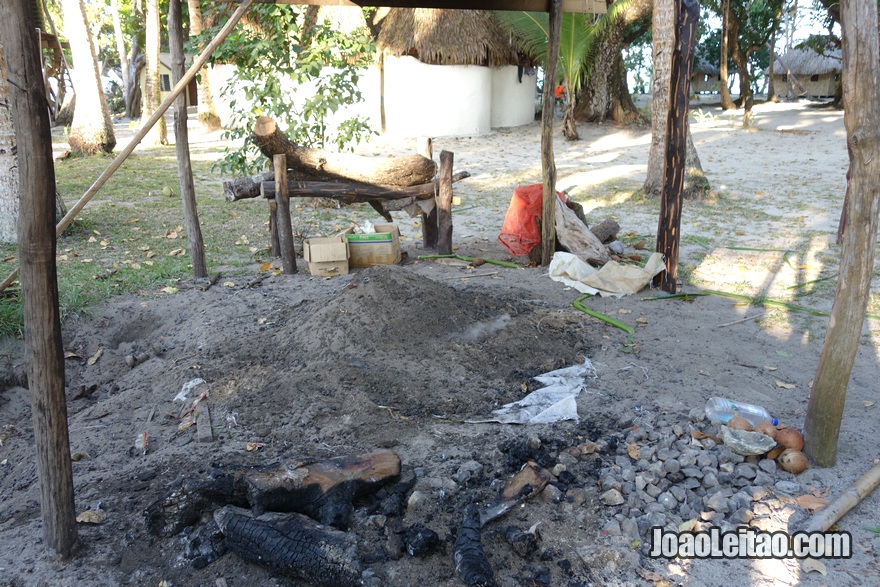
point(159, 133)
point(120, 47)
point(208, 117)
point(687, 15)
point(181, 145)
point(602, 94)
point(771, 87)
point(696, 186)
point(44, 354)
point(746, 99)
point(726, 102)
point(8, 163)
point(311, 163)
point(92, 129)
point(548, 162)
point(861, 86)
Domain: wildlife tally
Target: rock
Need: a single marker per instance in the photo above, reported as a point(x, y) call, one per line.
point(789, 487)
point(718, 503)
point(577, 495)
point(697, 415)
point(692, 472)
point(551, 494)
point(652, 490)
point(767, 465)
point(758, 492)
point(688, 459)
point(762, 478)
point(711, 516)
point(677, 492)
point(741, 516)
point(671, 465)
point(690, 483)
point(707, 460)
point(741, 500)
point(612, 497)
point(745, 471)
point(646, 452)
point(650, 520)
point(416, 500)
point(629, 528)
point(667, 500)
point(611, 528)
point(628, 474)
point(665, 453)
point(558, 468)
point(761, 509)
point(710, 481)
point(567, 459)
point(534, 443)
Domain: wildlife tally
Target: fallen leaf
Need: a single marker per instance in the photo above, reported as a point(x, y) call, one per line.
point(811, 502)
point(769, 368)
point(705, 373)
point(784, 385)
point(92, 517)
point(689, 525)
point(169, 290)
point(145, 248)
point(150, 255)
point(135, 265)
point(252, 446)
point(80, 456)
point(94, 358)
point(700, 435)
point(266, 266)
point(624, 311)
point(632, 449)
point(71, 355)
point(641, 320)
point(105, 242)
point(868, 404)
point(811, 564)
point(228, 284)
point(92, 239)
point(150, 263)
point(176, 252)
point(7, 260)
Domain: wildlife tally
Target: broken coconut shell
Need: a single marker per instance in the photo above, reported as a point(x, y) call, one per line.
point(739, 423)
point(746, 443)
point(793, 461)
point(767, 428)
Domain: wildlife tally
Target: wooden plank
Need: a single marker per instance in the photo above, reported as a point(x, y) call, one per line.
point(548, 163)
point(357, 192)
point(687, 15)
point(282, 217)
point(585, 6)
point(444, 205)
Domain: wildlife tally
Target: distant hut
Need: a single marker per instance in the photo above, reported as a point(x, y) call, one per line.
point(808, 73)
point(451, 72)
point(706, 78)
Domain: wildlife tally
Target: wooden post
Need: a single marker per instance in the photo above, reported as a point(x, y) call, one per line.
point(429, 220)
point(861, 107)
point(548, 162)
point(44, 354)
point(687, 14)
point(273, 228)
point(181, 145)
point(444, 205)
point(282, 216)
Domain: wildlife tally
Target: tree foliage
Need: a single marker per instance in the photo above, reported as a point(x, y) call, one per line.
point(273, 56)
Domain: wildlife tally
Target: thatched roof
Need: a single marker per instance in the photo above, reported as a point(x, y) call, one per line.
point(703, 66)
point(808, 62)
point(446, 37)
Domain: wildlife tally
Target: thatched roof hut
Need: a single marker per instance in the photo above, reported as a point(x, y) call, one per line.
point(451, 72)
point(808, 73)
point(446, 37)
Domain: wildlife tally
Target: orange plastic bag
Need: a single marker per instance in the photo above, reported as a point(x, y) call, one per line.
point(519, 233)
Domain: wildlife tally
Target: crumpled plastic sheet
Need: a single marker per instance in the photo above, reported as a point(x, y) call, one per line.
point(554, 403)
point(612, 280)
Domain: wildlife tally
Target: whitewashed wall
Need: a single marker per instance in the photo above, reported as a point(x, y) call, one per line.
point(513, 103)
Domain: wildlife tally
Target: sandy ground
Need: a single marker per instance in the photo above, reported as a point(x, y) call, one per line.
point(395, 358)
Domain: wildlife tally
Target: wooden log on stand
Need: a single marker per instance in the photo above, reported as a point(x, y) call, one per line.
point(312, 163)
point(429, 219)
point(282, 217)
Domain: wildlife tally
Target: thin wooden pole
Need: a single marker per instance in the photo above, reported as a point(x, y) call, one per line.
point(429, 220)
point(831, 513)
point(181, 146)
point(444, 205)
point(160, 111)
point(44, 353)
point(687, 15)
point(548, 162)
point(861, 108)
point(273, 227)
point(282, 216)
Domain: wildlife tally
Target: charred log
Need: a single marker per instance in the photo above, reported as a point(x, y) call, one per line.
point(293, 546)
point(471, 564)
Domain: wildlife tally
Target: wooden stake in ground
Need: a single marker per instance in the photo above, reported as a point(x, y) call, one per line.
point(282, 216)
point(181, 145)
point(429, 220)
point(444, 205)
point(861, 106)
point(548, 162)
point(39, 283)
point(669, 225)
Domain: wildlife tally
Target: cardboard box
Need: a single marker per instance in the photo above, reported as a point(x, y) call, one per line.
point(380, 248)
point(327, 256)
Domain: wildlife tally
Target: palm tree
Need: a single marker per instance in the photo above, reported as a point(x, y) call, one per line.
point(577, 48)
point(159, 132)
point(207, 112)
point(92, 130)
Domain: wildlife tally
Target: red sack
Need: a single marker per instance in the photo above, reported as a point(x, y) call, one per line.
point(519, 233)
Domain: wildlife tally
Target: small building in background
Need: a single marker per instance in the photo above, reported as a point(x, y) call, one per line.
point(451, 72)
point(804, 72)
point(706, 78)
point(166, 81)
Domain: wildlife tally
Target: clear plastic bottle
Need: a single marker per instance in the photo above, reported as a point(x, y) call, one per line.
point(720, 410)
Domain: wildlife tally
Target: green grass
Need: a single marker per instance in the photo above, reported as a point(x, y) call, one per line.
point(130, 237)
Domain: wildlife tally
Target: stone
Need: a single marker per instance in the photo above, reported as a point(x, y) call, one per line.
point(711, 516)
point(628, 474)
point(741, 500)
point(667, 500)
point(646, 452)
point(690, 483)
point(726, 467)
point(656, 468)
point(643, 464)
point(697, 415)
point(622, 461)
point(650, 520)
point(652, 490)
point(416, 500)
point(467, 471)
point(717, 503)
point(664, 453)
point(577, 495)
point(688, 459)
point(710, 481)
point(629, 528)
point(761, 509)
point(558, 468)
point(767, 465)
point(692, 472)
point(762, 478)
point(741, 516)
point(552, 494)
point(611, 528)
point(758, 492)
point(677, 492)
point(707, 460)
point(745, 471)
point(655, 508)
point(612, 497)
point(534, 443)
point(671, 465)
